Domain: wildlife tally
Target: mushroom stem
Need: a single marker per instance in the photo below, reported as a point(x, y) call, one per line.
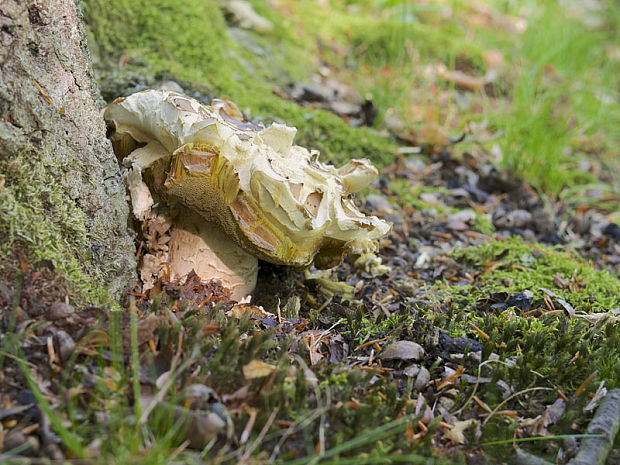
point(201, 246)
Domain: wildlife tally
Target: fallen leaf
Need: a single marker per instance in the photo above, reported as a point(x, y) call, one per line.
point(465, 80)
point(493, 59)
point(455, 434)
point(254, 312)
point(314, 340)
point(257, 369)
point(451, 379)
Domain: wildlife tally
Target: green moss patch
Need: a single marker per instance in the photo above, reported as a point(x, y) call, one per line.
point(190, 41)
point(515, 266)
point(37, 218)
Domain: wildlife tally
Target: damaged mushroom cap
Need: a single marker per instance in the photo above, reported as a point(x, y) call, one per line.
point(273, 198)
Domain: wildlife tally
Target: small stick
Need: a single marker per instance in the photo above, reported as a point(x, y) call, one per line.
point(525, 458)
point(606, 422)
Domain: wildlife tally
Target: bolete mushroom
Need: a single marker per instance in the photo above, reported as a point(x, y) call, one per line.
point(230, 192)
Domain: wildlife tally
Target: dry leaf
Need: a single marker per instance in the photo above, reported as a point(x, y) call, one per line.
point(455, 434)
point(313, 340)
point(465, 80)
point(451, 378)
point(493, 59)
point(254, 312)
point(257, 369)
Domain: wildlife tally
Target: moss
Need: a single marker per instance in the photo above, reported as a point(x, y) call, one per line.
point(408, 195)
point(189, 40)
point(483, 224)
point(517, 266)
point(566, 350)
point(36, 218)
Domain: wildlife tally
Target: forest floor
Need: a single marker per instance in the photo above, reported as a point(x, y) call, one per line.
point(489, 321)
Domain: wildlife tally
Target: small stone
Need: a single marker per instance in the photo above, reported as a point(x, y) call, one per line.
point(344, 108)
point(446, 403)
point(499, 306)
point(310, 93)
point(612, 230)
point(519, 218)
point(198, 396)
point(66, 345)
point(522, 300)
point(378, 203)
point(402, 350)
point(458, 344)
point(467, 216)
point(59, 311)
point(412, 370)
point(422, 379)
point(514, 219)
point(543, 221)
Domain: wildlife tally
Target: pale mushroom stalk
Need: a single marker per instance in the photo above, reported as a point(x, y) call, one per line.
point(200, 246)
point(242, 191)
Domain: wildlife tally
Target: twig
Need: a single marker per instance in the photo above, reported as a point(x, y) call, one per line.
point(512, 397)
point(606, 422)
point(525, 458)
point(458, 412)
point(259, 439)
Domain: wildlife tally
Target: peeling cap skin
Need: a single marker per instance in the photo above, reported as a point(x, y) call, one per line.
point(273, 198)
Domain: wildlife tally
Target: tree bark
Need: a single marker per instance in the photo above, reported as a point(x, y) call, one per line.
point(61, 194)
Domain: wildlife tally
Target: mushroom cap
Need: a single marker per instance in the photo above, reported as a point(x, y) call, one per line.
point(273, 198)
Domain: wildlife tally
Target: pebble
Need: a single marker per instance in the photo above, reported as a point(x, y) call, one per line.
point(513, 219)
point(458, 344)
point(612, 230)
point(446, 403)
point(402, 350)
point(59, 311)
point(66, 345)
point(420, 374)
point(344, 108)
point(378, 203)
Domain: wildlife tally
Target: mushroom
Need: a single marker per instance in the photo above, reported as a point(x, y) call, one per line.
point(231, 192)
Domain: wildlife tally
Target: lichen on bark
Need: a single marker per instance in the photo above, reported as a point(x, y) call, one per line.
point(63, 199)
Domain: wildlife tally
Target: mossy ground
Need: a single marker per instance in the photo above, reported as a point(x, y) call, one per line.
point(513, 266)
point(189, 41)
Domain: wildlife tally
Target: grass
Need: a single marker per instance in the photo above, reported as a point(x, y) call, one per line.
point(547, 110)
point(557, 102)
point(127, 432)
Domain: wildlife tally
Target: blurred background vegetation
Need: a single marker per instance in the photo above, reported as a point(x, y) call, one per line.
point(533, 85)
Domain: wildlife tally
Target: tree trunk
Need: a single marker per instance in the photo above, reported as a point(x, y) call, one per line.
point(61, 195)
